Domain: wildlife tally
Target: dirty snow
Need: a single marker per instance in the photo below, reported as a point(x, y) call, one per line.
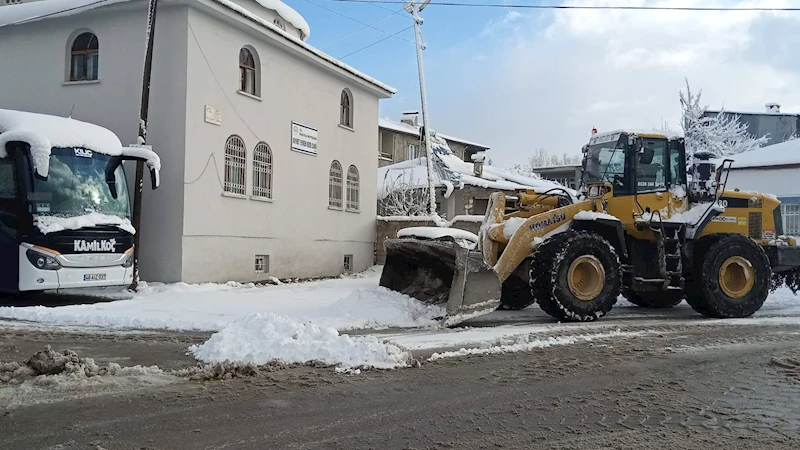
point(528, 342)
point(262, 338)
point(52, 224)
point(351, 302)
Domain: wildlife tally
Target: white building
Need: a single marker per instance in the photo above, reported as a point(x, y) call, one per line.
point(267, 144)
point(772, 170)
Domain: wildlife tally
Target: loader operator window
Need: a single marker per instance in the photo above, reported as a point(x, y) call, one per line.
point(651, 175)
point(606, 162)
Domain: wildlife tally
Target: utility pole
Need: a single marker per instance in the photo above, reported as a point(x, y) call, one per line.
point(142, 139)
point(414, 9)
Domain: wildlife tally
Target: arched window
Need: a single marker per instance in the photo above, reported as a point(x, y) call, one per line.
point(352, 189)
point(335, 186)
point(235, 165)
point(346, 109)
point(84, 58)
point(248, 75)
point(262, 171)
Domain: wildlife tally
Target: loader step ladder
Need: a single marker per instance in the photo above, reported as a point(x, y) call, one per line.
point(669, 244)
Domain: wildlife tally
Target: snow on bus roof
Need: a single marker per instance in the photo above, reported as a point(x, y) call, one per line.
point(44, 132)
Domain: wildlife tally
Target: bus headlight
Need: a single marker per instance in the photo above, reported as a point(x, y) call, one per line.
point(128, 262)
point(42, 261)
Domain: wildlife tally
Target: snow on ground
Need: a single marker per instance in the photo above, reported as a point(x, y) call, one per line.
point(353, 302)
point(261, 338)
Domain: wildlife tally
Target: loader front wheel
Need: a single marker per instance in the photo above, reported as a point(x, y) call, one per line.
point(733, 280)
point(654, 299)
point(576, 276)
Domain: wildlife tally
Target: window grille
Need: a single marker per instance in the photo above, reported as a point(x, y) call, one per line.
point(335, 186)
point(262, 171)
point(235, 165)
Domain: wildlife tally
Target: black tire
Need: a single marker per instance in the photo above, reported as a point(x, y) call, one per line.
point(654, 299)
point(549, 283)
point(706, 295)
point(516, 293)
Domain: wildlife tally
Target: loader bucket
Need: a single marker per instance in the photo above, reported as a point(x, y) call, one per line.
point(444, 273)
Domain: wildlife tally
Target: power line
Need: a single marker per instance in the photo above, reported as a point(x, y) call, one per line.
point(329, 44)
point(35, 18)
point(366, 25)
point(377, 42)
point(585, 7)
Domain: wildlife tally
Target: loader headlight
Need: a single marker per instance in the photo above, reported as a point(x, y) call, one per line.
point(42, 261)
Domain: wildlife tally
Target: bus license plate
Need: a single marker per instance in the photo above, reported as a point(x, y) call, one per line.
point(94, 277)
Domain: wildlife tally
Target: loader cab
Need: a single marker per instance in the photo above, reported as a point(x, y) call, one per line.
point(634, 163)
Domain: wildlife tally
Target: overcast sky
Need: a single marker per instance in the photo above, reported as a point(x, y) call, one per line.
point(517, 79)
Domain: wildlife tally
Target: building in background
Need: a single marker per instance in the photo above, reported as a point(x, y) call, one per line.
point(400, 141)
point(777, 126)
point(267, 144)
point(569, 175)
point(772, 170)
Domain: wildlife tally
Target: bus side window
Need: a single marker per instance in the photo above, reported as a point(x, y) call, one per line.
point(8, 197)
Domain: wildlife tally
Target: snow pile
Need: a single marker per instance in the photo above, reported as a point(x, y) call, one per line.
point(592, 215)
point(383, 306)
point(263, 338)
point(52, 224)
point(530, 342)
point(438, 233)
point(690, 217)
point(43, 132)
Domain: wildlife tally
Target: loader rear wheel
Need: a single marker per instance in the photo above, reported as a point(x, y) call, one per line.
point(576, 276)
point(654, 299)
point(733, 281)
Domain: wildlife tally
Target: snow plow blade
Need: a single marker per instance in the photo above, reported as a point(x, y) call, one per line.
point(442, 273)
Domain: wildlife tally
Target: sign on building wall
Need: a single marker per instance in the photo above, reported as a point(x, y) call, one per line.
point(304, 139)
point(213, 115)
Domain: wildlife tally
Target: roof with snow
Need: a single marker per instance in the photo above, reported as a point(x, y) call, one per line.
point(751, 113)
point(50, 9)
point(783, 154)
point(401, 127)
point(452, 172)
point(659, 134)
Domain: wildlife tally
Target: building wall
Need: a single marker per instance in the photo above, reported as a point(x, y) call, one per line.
point(34, 70)
point(778, 127)
point(302, 236)
point(563, 175)
point(394, 145)
point(778, 182)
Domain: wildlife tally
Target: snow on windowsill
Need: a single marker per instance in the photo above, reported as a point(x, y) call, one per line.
point(249, 95)
point(335, 208)
point(357, 211)
point(261, 199)
point(347, 128)
point(232, 195)
point(79, 82)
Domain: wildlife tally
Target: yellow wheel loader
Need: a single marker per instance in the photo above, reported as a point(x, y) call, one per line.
point(642, 227)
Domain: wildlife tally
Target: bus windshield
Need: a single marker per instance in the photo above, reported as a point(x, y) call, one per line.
point(76, 185)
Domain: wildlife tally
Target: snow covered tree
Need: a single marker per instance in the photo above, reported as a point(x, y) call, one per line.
point(721, 135)
point(403, 199)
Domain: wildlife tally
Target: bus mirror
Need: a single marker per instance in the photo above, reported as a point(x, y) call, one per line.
point(145, 154)
point(111, 177)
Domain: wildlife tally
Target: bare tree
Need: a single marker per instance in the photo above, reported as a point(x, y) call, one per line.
point(403, 199)
point(542, 158)
point(721, 135)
